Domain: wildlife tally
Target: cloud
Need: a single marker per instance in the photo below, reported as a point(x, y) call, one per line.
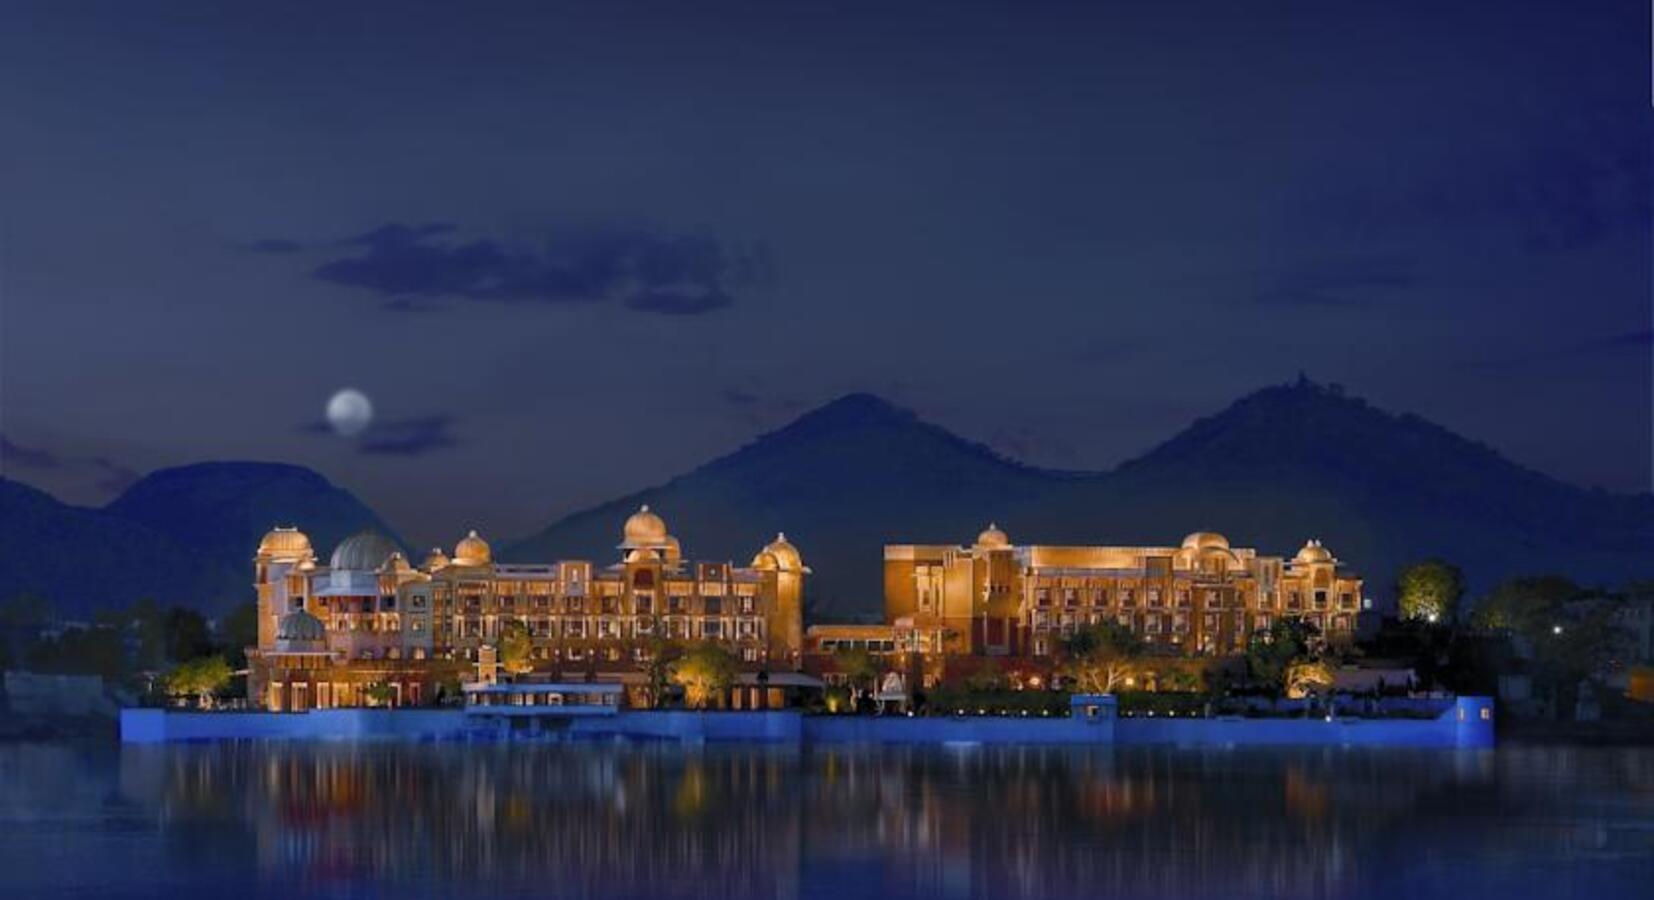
point(107, 474)
point(1641, 341)
point(275, 245)
point(1340, 282)
point(644, 270)
point(414, 436)
point(112, 476)
point(408, 437)
point(27, 457)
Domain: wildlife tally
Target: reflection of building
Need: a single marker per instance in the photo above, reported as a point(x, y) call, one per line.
point(997, 599)
point(370, 628)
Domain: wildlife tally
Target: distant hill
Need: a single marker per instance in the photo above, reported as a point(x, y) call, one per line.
point(183, 535)
point(1277, 467)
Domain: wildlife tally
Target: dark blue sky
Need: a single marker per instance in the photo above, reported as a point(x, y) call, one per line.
point(571, 250)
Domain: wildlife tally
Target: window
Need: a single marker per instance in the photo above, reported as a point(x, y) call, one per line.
point(749, 654)
point(1154, 596)
point(1042, 597)
point(714, 606)
point(610, 605)
point(1070, 598)
point(748, 605)
point(645, 603)
point(712, 628)
point(645, 625)
point(574, 628)
point(572, 604)
point(675, 603)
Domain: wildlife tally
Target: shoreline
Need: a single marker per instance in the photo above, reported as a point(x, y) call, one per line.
point(1468, 722)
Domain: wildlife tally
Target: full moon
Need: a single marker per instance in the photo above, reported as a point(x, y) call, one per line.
point(349, 412)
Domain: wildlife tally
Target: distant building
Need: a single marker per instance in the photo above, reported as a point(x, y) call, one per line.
point(371, 628)
point(993, 598)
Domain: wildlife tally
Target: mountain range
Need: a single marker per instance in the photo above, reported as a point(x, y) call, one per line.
point(1277, 467)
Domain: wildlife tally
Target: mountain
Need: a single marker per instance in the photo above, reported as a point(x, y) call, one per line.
point(1277, 467)
point(182, 535)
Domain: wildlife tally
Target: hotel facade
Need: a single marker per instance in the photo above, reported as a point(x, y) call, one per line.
point(370, 628)
point(993, 598)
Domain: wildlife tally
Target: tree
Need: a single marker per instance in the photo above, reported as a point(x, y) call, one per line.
point(1581, 644)
point(705, 671)
point(1270, 654)
point(380, 694)
point(25, 612)
point(659, 654)
point(1430, 590)
point(516, 648)
point(1306, 677)
point(860, 668)
point(1101, 657)
point(1527, 606)
point(200, 678)
point(187, 634)
point(237, 631)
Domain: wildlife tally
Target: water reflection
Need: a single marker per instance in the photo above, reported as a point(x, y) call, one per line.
point(659, 820)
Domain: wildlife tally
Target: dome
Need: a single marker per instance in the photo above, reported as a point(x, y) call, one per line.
point(783, 552)
point(364, 551)
point(300, 631)
point(765, 561)
point(472, 551)
point(1206, 540)
point(396, 564)
point(285, 542)
point(1313, 552)
point(644, 529)
point(993, 538)
point(641, 554)
point(436, 559)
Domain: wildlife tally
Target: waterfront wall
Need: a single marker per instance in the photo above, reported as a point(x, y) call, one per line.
point(1462, 724)
point(1468, 722)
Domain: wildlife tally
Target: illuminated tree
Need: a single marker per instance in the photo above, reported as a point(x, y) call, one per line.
point(200, 678)
point(516, 649)
point(1430, 590)
point(1306, 677)
point(705, 671)
point(1271, 654)
point(1101, 657)
point(380, 694)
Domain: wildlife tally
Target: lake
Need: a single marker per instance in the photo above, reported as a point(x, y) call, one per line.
point(660, 820)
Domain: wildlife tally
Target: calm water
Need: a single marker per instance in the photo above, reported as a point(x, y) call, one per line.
point(446, 820)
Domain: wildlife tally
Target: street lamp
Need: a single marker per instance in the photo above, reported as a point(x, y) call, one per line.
point(1556, 629)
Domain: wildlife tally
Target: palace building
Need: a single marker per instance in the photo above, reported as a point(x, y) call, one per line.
point(370, 628)
point(993, 598)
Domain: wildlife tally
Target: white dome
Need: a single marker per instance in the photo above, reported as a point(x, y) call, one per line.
point(364, 551)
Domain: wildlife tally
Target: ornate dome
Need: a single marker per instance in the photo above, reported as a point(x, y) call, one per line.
point(285, 542)
point(300, 631)
point(364, 551)
point(436, 559)
point(783, 552)
point(1206, 540)
point(641, 554)
point(993, 538)
point(396, 564)
point(1313, 552)
point(644, 529)
point(765, 561)
point(472, 550)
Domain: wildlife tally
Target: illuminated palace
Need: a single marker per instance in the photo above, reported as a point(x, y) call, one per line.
point(995, 598)
point(371, 628)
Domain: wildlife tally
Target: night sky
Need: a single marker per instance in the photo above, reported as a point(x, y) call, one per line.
point(570, 251)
